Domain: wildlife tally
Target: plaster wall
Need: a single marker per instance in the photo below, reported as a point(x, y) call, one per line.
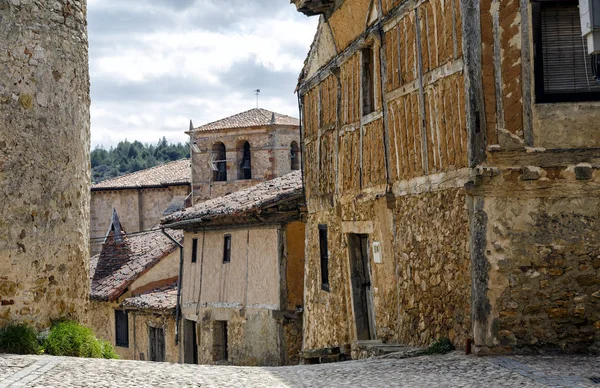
point(251, 278)
point(164, 272)
point(251, 293)
point(138, 209)
point(44, 161)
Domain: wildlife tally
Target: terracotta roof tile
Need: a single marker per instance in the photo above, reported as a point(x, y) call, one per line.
point(251, 118)
point(177, 172)
point(120, 263)
point(262, 195)
point(163, 298)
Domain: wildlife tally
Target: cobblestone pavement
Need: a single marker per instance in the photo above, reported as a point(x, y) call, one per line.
point(452, 370)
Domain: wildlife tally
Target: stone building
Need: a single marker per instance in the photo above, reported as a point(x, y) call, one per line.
point(243, 275)
point(242, 150)
point(44, 159)
point(134, 293)
point(451, 161)
point(140, 198)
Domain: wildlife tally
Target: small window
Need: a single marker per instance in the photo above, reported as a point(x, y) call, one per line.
point(227, 248)
point(121, 329)
point(294, 156)
point(564, 71)
point(368, 82)
point(324, 257)
point(194, 250)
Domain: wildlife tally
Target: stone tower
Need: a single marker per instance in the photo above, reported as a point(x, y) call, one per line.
point(44, 161)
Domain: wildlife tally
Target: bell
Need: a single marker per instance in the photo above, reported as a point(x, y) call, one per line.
point(246, 165)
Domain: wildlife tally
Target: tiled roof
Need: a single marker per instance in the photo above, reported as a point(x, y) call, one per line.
point(177, 172)
point(163, 298)
point(121, 262)
point(251, 118)
point(287, 187)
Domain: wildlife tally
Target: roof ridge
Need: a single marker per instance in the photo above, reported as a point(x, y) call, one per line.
point(141, 171)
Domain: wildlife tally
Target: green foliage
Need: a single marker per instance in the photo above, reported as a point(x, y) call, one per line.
point(441, 346)
point(68, 338)
point(129, 157)
point(107, 350)
point(18, 339)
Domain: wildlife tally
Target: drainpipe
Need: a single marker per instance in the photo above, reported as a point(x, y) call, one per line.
point(301, 144)
point(178, 306)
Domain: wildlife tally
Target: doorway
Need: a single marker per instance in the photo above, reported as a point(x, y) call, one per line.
point(190, 344)
point(360, 278)
point(220, 343)
point(156, 344)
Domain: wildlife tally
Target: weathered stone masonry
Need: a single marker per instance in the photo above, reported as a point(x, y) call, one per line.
point(423, 131)
point(44, 160)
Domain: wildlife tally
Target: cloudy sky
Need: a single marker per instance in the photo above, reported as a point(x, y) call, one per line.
point(156, 64)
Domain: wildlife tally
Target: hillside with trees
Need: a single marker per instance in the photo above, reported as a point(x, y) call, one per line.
point(129, 157)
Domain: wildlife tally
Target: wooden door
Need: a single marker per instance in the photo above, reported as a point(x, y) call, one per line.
point(156, 344)
point(360, 278)
point(190, 344)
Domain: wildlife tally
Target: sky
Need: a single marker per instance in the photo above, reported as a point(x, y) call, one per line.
point(156, 64)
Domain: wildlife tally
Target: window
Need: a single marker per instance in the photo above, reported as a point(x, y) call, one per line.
point(324, 257)
point(194, 250)
point(563, 67)
point(121, 328)
point(219, 162)
point(227, 248)
point(294, 156)
point(368, 83)
point(245, 163)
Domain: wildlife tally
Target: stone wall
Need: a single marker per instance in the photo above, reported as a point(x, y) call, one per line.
point(434, 282)
point(44, 161)
point(138, 209)
point(541, 265)
point(270, 157)
point(421, 288)
point(253, 337)
point(102, 321)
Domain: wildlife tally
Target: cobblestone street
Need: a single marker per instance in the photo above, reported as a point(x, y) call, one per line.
point(452, 370)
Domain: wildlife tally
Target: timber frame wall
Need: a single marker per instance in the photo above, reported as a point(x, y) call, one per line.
point(456, 172)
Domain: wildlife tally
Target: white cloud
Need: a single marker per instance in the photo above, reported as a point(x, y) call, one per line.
point(155, 65)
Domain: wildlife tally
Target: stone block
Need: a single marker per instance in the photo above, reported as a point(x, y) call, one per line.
point(583, 171)
point(529, 173)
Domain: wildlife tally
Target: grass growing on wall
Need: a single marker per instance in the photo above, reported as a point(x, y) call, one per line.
point(19, 339)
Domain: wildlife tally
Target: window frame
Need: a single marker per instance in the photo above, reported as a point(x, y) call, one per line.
point(324, 254)
point(119, 316)
point(541, 96)
point(227, 249)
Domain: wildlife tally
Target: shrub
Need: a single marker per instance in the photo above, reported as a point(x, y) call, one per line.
point(441, 346)
point(18, 339)
point(107, 350)
point(69, 338)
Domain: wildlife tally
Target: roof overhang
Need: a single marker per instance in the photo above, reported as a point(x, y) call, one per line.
point(314, 7)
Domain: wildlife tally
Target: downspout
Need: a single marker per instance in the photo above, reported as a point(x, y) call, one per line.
point(178, 306)
point(301, 144)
